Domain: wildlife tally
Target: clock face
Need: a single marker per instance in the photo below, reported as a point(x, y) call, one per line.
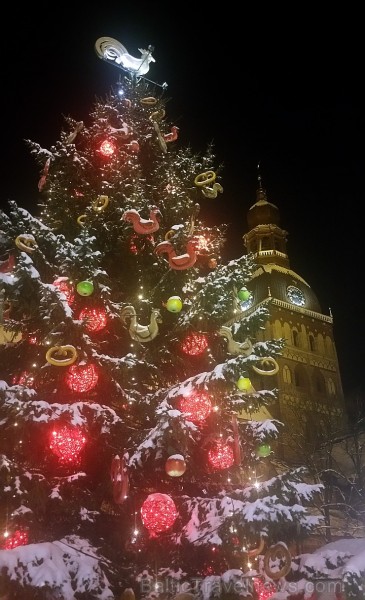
point(295, 295)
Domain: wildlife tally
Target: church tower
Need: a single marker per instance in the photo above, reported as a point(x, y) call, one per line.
point(310, 400)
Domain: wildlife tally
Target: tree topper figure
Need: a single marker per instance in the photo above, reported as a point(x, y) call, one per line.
point(111, 50)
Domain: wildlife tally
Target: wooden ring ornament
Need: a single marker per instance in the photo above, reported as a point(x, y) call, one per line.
point(68, 352)
point(100, 203)
point(205, 178)
point(277, 552)
point(169, 234)
point(267, 361)
point(81, 220)
point(26, 243)
point(256, 551)
point(158, 115)
point(148, 101)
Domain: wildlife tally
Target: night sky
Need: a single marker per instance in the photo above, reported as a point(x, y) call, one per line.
point(277, 88)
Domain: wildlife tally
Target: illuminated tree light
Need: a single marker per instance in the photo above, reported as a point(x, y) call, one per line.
point(95, 318)
point(221, 455)
point(194, 344)
point(158, 513)
point(263, 589)
point(107, 148)
point(82, 378)
point(18, 538)
point(25, 378)
point(67, 443)
point(202, 243)
point(197, 407)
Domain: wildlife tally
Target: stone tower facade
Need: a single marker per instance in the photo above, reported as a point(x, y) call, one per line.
point(310, 400)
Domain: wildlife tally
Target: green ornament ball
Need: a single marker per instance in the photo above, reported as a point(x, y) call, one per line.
point(263, 450)
point(244, 294)
point(174, 304)
point(243, 383)
point(85, 288)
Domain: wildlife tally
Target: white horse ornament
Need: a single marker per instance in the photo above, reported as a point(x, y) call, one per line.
point(111, 50)
point(141, 333)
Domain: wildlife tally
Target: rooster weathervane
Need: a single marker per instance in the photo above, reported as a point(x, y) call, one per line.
point(112, 51)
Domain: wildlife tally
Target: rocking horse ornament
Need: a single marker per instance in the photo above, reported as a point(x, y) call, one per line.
point(141, 333)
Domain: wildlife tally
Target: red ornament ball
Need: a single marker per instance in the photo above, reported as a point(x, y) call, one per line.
point(107, 148)
point(82, 378)
point(66, 443)
point(221, 455)
point(63, 284)
point(194, 344)
point(18, 538)
point(25, 378)
point(197, 407)
point(175, 465)
point(158, 513)
point(263, 589)
point(95, 318)
point(139, 243)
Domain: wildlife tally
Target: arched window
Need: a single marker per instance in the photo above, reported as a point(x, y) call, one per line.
point(286, 374)
point(301, 377)
point(295, 336)
point(266, 243)
point(331, 387)
point(312, 342)
point(319, 383)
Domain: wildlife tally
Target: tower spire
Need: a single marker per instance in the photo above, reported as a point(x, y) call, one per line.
point(260, 192)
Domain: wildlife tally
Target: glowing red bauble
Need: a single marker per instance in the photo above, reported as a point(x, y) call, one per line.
point(82, 378)
point(175, 465)
point(67, 443)
point(221, 455)
point(18, 538)
point(202, 243)
point(158, 513)
point(95, 318)
point(197, 407)
point(107, 148)
point(25, 378)
point(264, 589)
point(63, 284)
point(194, 344)
point(140, 243)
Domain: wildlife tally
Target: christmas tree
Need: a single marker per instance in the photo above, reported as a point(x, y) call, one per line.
point(132, 454)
